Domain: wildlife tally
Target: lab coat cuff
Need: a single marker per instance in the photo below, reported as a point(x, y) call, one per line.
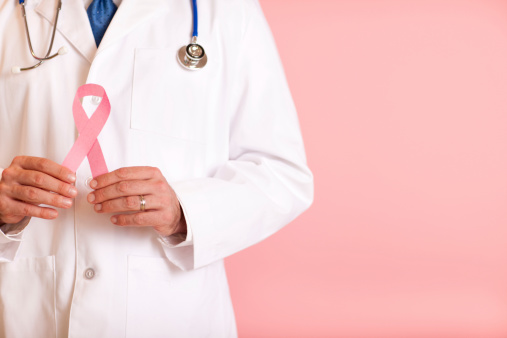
point(9, 250)
point(193, 197)
point(177, 240)
point(179, 247)
point(10, 239)
point(13, 232)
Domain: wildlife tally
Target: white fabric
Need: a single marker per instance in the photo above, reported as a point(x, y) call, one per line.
point(226, 138)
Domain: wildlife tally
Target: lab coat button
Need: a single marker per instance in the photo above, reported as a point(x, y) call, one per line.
point(89, 273)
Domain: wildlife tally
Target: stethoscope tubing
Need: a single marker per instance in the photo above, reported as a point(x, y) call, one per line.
point(48, 56)
point(184, 58)
point(196, 21)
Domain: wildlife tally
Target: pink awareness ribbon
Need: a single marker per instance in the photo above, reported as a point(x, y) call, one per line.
point(89, 129)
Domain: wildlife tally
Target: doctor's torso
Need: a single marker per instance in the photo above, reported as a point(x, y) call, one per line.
point(161, 115)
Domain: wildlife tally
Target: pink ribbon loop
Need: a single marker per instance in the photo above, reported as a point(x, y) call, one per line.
point(89, 129)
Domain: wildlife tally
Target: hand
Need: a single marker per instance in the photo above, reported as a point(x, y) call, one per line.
point(120, 191)
point(31, 181)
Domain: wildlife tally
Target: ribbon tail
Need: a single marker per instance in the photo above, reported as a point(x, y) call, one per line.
point(96, 160)
point(74, 158)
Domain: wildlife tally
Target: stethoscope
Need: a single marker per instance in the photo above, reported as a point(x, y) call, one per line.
point(191, 57)
point(61, 51)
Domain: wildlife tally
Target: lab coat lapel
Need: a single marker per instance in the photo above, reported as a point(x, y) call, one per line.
point(129, 15)
point(73, 23)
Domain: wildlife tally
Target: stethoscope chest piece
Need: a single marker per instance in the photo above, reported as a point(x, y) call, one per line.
point(192, 56)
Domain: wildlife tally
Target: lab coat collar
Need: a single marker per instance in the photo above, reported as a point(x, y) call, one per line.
point(73, 23)
point(129, 15)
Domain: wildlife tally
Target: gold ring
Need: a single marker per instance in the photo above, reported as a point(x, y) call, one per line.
point(142, 202)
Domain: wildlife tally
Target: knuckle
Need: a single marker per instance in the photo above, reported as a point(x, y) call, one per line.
point(156, 171)
point(8, 173)
point(99, 195)
point(56, 200)
point(27, 208)
point(38, 179)
point(62, 172)
point(17, 159)
point(62, 188)
point(122, 173)
point(42, 164)
point(31, 194)
point(131, 202)
point(123, 186)
point(121, 220)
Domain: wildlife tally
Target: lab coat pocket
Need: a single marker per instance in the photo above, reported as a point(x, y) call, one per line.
point(27, 296)
point(148, 298)
point(167, 99)
point(164, 301)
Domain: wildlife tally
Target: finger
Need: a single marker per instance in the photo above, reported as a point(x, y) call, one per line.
point(129, 203)
point(46, 166)
point(38, 196)
point(49, 183)
point(124, 189)
point(124, 174)
point(25, 209)
point(140, 219)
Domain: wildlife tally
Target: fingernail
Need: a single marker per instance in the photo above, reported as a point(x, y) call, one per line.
point(71, 177)
point(114, 220)
point(67, 202)
point(73, 191)
point(98, 207)
point(91, 197)
point(93, 183)
point(53, 213)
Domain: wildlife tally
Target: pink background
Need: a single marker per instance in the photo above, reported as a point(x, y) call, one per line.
point(405, 123)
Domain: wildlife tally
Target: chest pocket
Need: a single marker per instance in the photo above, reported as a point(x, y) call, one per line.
point(168, 99)
point(27, 297)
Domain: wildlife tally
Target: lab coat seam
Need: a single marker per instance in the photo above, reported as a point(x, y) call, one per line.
point(132, 86)
point(4, 84)
point(75, 272)
point(127, 295)
point(54, 295)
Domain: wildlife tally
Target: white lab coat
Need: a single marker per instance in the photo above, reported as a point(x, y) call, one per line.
point(226, 138)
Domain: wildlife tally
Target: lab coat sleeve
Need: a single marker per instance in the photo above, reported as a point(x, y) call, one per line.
point(266, 183)
point(10, 237)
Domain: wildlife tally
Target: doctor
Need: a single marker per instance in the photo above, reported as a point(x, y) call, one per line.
point(202, 165)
